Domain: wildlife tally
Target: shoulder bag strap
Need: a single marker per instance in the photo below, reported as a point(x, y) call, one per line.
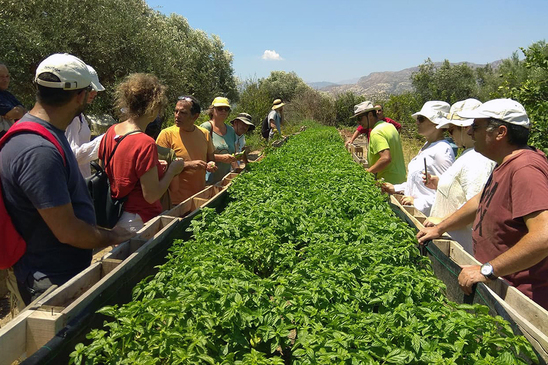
point(36, 128)
point(107, 160)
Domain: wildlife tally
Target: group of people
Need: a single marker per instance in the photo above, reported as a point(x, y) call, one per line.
point(492, 199)
point(47, 191)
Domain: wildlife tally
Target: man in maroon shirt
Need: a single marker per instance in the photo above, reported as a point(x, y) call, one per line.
point(380, 115)
point(510, 215)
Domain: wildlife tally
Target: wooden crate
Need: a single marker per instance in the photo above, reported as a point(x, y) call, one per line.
point(531, 318)
point(39, 322)
point(201, 198)
point(194, 202)
point(227, 179)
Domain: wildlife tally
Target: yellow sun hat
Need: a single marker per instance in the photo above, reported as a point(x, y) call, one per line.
point(220, 101)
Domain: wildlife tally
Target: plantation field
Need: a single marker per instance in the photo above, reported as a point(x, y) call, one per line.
point(307, 264)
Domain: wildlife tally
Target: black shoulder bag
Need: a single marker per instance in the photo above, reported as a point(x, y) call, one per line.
point(108, 210)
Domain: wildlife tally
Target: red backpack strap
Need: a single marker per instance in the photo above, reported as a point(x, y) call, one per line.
point(36, 128)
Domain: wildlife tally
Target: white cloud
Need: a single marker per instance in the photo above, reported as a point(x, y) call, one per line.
point(271, 55)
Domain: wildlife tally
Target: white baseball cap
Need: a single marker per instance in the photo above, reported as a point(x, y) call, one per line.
point(95, 84)
point(434, 110)
point(455, 119)
point(72, 71)
point(507, 110)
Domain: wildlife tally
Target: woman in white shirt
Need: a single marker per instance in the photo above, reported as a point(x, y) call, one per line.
point(437, 154)
point(464, 179)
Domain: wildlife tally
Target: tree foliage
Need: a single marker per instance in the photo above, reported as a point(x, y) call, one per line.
point(283, 85)
point(116, 37)
point(448, 82)
point(344, 107)
point(527, 82)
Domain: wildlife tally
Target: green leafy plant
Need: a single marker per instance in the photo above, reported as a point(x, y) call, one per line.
point(307, 264)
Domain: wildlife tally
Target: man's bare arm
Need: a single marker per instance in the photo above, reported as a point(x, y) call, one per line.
point(73, 231)
point(383, 161)
point(460, 219)
point(16, 113)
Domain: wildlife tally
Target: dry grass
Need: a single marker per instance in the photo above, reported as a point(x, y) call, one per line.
point(410, 147)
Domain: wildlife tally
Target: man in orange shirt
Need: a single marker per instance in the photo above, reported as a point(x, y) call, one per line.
point(191, 143)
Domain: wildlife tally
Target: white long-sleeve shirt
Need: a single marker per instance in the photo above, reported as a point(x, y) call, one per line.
point(78, 134)
point(439, 157)
point(462, 181)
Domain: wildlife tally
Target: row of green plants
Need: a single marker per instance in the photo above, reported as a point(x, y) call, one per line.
point(307, 264)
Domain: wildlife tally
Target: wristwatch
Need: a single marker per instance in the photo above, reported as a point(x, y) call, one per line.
point(487, 271)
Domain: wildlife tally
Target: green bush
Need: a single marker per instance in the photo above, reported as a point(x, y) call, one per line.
point(116, 37)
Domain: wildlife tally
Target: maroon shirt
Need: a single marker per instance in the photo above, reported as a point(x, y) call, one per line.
point(363, 130)
point(518, 187)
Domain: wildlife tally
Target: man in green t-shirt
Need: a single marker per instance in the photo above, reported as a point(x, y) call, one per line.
point(385, 153)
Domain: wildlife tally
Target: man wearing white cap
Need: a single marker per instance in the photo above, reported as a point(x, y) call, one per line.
point(78, 133)
point(385, 153)
point(44, 192)
point(510, 215)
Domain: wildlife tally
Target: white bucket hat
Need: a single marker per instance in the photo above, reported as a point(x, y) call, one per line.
point(434, 110)
point(364, 107)
point(95, 84)
point(455, 119)
point(507, 110)
point(72, 71)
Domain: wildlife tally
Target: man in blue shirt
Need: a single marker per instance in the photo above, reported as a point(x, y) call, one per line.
point(11, 109)
point(46, 196)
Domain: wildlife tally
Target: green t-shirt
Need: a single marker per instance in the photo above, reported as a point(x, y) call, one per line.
point(385, 136)
point(223, 145)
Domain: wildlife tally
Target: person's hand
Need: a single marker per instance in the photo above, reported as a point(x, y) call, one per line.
point(176, 166)
point(163, 165)
point(121, 234)
point(428, 233)
point(470, 275)
point(388, 188)
point(211, 166)
point(347, 143)
point(195, 165)
point(432, 181)
point(432, 221)
point(407, 200)
point(226, 158)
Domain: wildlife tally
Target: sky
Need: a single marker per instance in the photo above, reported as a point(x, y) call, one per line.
point(341, 40)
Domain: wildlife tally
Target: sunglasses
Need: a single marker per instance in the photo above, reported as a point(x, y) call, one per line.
point(185, 98)
point(222, 108)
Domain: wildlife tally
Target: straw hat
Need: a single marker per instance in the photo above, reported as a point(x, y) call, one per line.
point(277, 104)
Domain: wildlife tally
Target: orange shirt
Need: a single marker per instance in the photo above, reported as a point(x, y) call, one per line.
point(189, 146)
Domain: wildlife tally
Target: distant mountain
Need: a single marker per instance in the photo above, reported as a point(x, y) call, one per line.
point(387, 82)
point(349, 81)
point(321, 84)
